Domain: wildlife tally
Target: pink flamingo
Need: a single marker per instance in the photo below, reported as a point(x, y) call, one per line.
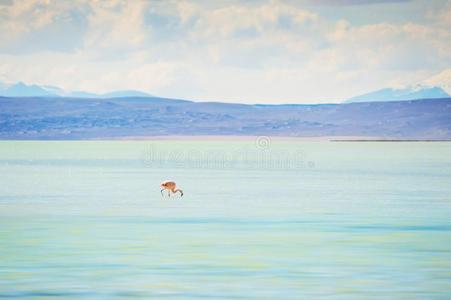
point(170, 186)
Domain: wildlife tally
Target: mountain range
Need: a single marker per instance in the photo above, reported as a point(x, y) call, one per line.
point(65, 118)
point(21, 89)
point(400, 94)
point(47, 112)
point(437, 86)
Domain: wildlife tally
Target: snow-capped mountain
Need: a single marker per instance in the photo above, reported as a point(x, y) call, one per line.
point(438, 86)
point(397, 94)
point(21, 89)
point(442, 80)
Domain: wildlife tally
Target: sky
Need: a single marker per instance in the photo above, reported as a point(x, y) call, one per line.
point(299, 51)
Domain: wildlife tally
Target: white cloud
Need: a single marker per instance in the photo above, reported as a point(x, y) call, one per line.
point(263, 19)
point(40, 25)
point(116, 26)
point(273, 51)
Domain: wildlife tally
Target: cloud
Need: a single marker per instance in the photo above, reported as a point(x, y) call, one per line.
point(407, 46)
point(256, 51)
point(443, 16)
point(37, 25)
point(117, 26)
point(231, 20)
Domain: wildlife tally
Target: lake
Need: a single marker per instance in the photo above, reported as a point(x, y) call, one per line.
point(260, 218)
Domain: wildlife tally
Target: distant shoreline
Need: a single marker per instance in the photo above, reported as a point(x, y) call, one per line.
point(234, 138)
point(290, 138)
point(391, 140)
point(238, 137)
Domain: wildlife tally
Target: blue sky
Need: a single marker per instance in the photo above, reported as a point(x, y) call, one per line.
point(301, 51)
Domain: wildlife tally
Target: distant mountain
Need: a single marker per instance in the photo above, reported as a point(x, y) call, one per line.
point(21, 89)
point(80, 94)
point(437, 86)
point(393, 94)
point(442, 80)
point(78, 118)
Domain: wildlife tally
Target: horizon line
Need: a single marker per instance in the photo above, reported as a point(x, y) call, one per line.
point(220, 102)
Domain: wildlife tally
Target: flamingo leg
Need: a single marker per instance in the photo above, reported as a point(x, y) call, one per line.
point(178, 190)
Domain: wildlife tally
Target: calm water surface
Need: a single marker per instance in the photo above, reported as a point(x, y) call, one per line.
point(264, 219)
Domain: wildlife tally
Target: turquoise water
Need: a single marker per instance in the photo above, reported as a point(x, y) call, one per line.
point(264, 219)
